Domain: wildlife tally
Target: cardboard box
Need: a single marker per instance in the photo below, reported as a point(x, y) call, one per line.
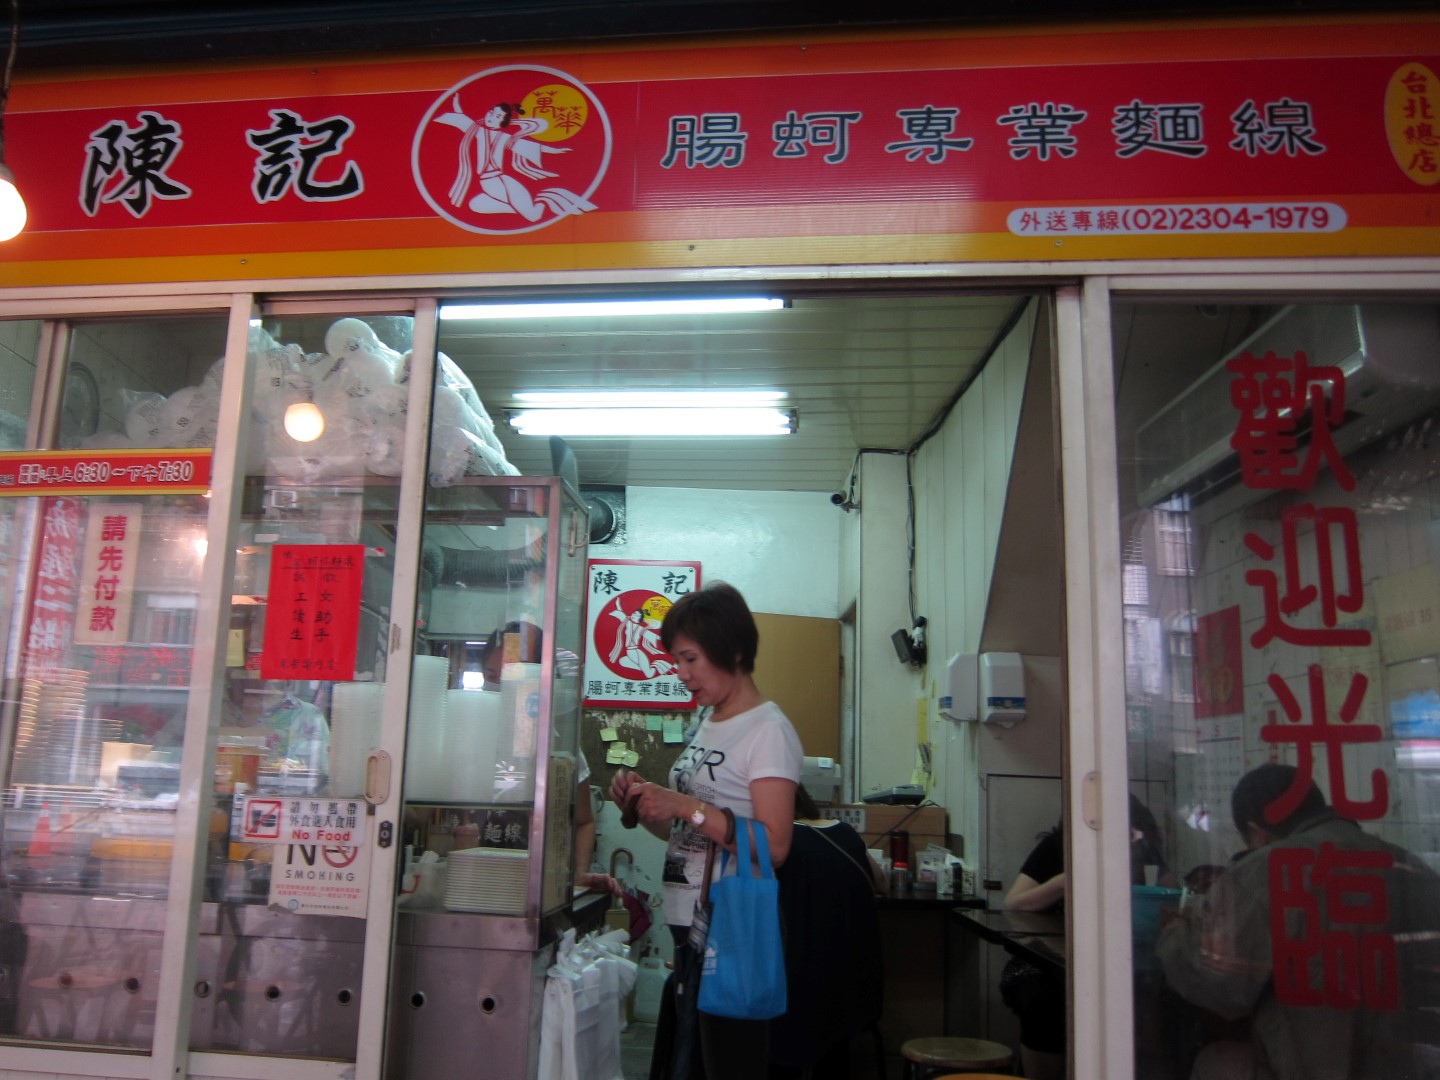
point(925, 824)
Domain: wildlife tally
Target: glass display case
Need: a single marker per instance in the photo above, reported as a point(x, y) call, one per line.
point(490, 725)
point(494, 705)
point(492, 771)
point(324, 601)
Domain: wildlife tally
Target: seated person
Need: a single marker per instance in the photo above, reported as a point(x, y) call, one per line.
point(1351, 990)
point(1036, 993)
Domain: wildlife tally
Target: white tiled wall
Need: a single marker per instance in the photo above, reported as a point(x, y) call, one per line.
point(961, 479)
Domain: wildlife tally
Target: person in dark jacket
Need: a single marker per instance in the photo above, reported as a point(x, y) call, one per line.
point(1348, 989)
point(832, 946)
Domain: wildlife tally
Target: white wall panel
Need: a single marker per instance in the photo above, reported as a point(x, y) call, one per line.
point(780, 548)
point(888, 688)
point(962, 480)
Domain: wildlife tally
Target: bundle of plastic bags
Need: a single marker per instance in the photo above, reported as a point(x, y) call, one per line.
point(584, 1010)
point(359, 383)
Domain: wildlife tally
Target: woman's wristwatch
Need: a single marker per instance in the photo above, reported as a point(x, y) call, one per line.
point(698, 816)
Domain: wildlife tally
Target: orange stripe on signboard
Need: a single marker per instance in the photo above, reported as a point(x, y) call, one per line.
point(240, 248)
point(699, 253)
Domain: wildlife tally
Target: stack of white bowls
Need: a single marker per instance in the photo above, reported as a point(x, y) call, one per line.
point(488, 880)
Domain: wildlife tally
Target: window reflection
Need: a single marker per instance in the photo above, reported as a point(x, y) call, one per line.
point(97, 689)
point(1281, 673)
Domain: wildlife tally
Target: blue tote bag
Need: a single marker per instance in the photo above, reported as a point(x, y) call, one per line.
point(743, 975)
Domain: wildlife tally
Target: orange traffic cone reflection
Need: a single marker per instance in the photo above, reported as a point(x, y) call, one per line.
point(41, 842)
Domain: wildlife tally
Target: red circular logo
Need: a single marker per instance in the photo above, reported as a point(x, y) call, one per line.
point(511, 150)
point(626, 637)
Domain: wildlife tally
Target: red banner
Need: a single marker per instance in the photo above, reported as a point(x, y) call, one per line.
point(52, 606)
point(1053, 146)
point(312, 619)
point(105, 472)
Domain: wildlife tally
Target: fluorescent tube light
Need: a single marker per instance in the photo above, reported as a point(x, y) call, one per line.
point(649, 399)
point(642, 423)
point(719, 305)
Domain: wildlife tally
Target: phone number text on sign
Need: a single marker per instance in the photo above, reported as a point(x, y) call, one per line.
point(1191, 218)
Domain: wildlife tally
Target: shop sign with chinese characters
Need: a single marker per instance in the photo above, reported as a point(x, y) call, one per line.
point(626, 666)
point(107, 573)
point(321, 860)
point(56, 595)
point(1311, 586)
point(1301, 138)
point(312, 617)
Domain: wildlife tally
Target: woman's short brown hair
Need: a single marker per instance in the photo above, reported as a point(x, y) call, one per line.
point(718, 620)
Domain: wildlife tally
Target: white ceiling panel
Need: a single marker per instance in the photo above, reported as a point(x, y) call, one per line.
point(861, 371)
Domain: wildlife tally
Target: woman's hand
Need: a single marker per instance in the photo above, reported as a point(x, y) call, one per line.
point(598, 883)
point(655, 805)
point(621, 786)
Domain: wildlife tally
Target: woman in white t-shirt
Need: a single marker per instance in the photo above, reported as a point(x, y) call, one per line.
point(744, 757)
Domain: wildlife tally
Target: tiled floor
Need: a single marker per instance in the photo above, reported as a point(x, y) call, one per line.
point(635, 1044)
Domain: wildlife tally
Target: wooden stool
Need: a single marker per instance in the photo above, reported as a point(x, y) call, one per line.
point(924, 1057)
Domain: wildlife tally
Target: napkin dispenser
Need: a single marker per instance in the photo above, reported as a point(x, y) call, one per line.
point(989, 687)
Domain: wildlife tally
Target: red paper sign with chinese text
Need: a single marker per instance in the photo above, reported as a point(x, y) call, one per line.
point(1219, 664)
point(52, 607)
point(312, 617)
point(107, 573)
point(105, 472)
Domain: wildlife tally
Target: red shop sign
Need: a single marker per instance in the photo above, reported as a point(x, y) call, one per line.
point(105, 472)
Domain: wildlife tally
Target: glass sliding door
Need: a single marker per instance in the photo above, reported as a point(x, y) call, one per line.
point(298, 827)
point(1281, 619)
point(102, 577)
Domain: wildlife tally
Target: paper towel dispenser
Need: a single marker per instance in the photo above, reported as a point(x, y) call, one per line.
point(821, 776)
point(989, 687)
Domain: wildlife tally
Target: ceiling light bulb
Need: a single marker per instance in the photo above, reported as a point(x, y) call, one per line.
point(304, 422)
point(13, 214)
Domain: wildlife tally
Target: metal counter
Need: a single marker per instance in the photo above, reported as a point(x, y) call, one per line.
point(82, 969)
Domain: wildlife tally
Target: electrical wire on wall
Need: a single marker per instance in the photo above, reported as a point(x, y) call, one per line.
point(917, 622)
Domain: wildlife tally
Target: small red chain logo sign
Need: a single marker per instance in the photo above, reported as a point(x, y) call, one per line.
point(511, 150)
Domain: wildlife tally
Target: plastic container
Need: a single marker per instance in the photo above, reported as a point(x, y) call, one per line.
point(900, 846)
point(1146, 904)
point(237, 761)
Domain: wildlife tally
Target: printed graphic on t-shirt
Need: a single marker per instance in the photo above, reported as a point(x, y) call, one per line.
point(694, 772)
point(674, 873)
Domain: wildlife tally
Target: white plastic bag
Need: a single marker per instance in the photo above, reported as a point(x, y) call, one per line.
point(581, 1020)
